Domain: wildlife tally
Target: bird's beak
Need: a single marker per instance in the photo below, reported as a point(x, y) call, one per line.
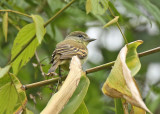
point(90, 39)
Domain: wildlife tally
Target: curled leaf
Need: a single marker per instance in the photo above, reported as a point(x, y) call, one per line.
point(120, 83)
point(58, 100)
point(5, 25)
point(77, 98)
point(111, 22)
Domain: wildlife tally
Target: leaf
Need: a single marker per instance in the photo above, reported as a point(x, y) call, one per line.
point(58, 100)
point(132, 59)
point(82, 109)
point(137, 110)
point(39, 25)
point(118, 106)
point(120, 83)
point(88, 6)
point(78, 96)
point(5, 25)
point(111, 22)
point(96, 6)
point(23, 39)
point(10, 101)
point(4, 70)
point(28, 111)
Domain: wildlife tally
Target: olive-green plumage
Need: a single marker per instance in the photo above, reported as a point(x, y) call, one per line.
point(74, 44)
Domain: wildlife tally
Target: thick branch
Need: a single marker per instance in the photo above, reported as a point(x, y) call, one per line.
point(91, 70)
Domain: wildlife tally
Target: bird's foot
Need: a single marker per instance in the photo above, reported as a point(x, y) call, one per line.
point(52, 74)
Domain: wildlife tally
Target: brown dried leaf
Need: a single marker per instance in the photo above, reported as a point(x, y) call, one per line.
point(58, 100)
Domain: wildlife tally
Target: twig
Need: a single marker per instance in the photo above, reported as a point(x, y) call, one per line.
point(16, 12)
point(91, 70)
point(40, 65)
point(148, 52)
point(42, 83)
point(52, 18)
point(125, 39)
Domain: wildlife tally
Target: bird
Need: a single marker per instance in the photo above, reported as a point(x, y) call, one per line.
point(75, 44)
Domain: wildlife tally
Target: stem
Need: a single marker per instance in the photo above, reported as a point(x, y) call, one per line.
point(125, 39)
point(43, 83)
point(91, 70)
point(52, 18)
point(16, 12)
point(40, 65)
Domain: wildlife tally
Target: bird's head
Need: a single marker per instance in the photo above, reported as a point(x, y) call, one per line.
point(80, 37)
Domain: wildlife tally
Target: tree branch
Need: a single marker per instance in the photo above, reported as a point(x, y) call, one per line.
point(91, 70)
point(42, 83)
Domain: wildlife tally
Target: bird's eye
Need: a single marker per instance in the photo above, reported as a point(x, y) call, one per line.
point(81, 36)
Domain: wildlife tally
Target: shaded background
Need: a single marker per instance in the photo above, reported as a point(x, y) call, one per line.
point(139, 20)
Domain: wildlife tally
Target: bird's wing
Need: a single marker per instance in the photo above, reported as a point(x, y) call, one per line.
point(67, 51)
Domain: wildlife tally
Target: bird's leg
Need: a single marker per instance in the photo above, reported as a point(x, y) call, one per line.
point(60, 80)
point(60, 75)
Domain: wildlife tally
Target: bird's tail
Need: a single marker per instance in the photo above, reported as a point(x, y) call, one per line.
point(54, 67)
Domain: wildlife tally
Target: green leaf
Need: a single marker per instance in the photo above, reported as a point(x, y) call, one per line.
point(28, 111)
point(82, 109)
point(39, 25)
point(118, 106)
point(132, 58)
point(96, 6)
point(4, 70)
point(5, 25)
point(11, 102)
point(23, 39)
point(78, 96)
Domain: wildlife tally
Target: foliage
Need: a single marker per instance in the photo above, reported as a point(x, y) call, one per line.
point(22, 33)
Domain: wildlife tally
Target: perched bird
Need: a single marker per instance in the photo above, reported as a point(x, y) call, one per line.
point(74, 44)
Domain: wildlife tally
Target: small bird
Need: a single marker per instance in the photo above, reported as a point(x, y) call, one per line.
point(74, 44)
